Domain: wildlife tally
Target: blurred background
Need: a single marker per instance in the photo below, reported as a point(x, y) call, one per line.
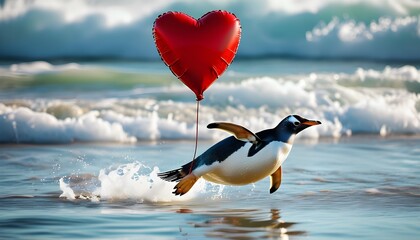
point(324, 29)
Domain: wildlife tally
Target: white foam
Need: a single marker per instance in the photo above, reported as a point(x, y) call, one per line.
point(37, 67)
point(77, 10)
point(383, 131)
point(397, 113)
point(134, 182)
point(68, 193)
point(367, 101)
point(264, 91)
point(151, 126)
point(367, 40)
point(405, 73)
point(23, 125)
point(373, 191)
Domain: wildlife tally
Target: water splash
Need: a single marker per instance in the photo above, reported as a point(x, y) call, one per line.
point(128, 182)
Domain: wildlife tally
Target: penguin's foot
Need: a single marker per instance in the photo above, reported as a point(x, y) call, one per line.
point(185, 184)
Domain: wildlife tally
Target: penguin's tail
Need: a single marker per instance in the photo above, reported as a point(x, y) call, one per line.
point(177, 174)
point(173, 175)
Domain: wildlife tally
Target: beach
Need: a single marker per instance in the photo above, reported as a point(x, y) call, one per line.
point(89, 115)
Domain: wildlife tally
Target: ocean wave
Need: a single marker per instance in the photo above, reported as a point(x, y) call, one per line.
point(366, 101)
point(386, 30)
point(384, 39)
point(36, 67)
point(41, 67)
point(22, 125)
point(77, 77)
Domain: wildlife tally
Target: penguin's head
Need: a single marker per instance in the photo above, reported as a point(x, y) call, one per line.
point(296, 123)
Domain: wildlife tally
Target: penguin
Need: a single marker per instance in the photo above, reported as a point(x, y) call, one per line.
point(243, 158)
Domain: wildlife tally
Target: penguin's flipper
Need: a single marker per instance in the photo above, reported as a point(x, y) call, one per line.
point(239, 132)
point(275, 180)
point(256, 147)
point(185, 184)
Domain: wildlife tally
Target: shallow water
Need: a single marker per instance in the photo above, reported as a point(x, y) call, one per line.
point(108, 128)
point(362, 187)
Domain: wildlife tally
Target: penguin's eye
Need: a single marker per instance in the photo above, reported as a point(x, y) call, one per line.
point(296, 123)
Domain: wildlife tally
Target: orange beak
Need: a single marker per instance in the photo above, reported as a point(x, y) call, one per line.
point(311, 123)
point(305, 123)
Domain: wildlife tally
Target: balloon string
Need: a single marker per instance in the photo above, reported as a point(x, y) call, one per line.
point(196, 135)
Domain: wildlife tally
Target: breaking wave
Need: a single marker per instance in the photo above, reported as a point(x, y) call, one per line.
point(374, 29)
point(368, 101)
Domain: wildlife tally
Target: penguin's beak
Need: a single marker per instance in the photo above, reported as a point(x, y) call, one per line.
point(310, 123)
point(305, 123)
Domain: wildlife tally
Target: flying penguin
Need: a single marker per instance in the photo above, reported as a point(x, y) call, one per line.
point(243, 158)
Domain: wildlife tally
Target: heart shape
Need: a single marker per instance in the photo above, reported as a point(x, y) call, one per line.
point(197, 51)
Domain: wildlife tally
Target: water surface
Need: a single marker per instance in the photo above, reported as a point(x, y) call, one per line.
point(359, 187)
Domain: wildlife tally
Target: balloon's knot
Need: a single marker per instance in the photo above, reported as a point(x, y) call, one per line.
point(200, 97)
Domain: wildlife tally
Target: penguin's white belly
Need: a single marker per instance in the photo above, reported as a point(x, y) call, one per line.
point(239, 169)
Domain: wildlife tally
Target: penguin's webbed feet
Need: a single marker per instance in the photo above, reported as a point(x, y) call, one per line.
point(185, 185)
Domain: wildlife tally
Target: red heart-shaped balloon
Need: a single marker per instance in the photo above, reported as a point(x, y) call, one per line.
point(197, 51)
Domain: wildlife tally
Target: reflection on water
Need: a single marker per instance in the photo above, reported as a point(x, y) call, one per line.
point(244, 224)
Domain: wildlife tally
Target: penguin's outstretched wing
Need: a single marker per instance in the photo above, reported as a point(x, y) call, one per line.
point(238, 131)
point(242, 134)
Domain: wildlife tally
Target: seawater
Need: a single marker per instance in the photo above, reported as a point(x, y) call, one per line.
point(82, 143)
point(358, 187)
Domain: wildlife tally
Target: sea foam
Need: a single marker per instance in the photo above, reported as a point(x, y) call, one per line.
point(131, 182)
point(367, 101)
point(22, 125)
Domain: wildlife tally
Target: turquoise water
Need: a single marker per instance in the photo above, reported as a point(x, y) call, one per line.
point(82, 144)
point(361, 187)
